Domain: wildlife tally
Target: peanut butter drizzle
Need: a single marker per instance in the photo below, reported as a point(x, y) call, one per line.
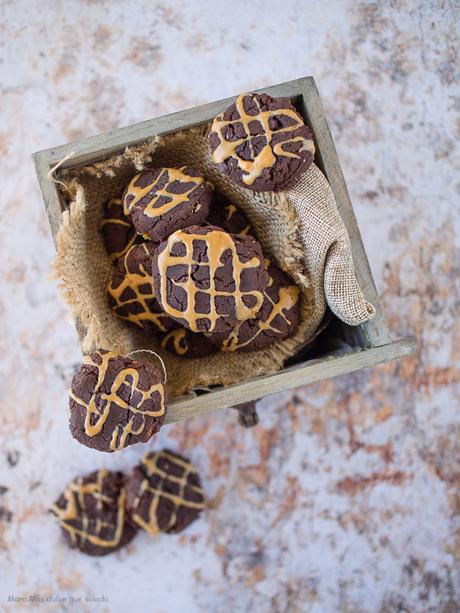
point(287, 299)
point(121, 431)
point(174, 174)
point(150, 462)
point(108, 221)
point(179, 340)
point(217, 242)
point(75, 493)
point(134, 281)
point(252, 169)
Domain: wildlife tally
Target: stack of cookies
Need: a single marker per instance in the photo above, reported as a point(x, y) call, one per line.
point(189, 269)
point(187, 264)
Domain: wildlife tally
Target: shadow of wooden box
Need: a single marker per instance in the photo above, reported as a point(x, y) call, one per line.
point(361, 347)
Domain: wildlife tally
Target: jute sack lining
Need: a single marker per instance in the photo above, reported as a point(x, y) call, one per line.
point(300, 230)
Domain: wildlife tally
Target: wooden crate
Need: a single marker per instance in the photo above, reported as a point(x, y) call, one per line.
point(373, 344)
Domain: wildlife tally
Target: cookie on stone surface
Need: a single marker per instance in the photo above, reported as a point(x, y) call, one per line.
point(117, 229)
point(164, 493)
point(116, 401)
point(131, 293)
point(92, 513)
point(261, 143)
point(209, 280)
point(187, 344)
point(277, 319)
point(163, 200)
point(230, 218)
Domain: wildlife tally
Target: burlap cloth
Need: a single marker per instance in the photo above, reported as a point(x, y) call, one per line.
point(300, 229)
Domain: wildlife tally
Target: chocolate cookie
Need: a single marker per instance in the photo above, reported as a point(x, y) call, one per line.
point(164, 493)
point(209, 280)
point(187, 344)
point(230, 218)
point(117, 229)
point(277, 319)
point(92, 513)
point(162, 200)
point(131, 291)
point(115, 401)
point(261, 143)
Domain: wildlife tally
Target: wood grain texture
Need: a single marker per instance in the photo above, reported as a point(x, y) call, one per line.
point(303, 374)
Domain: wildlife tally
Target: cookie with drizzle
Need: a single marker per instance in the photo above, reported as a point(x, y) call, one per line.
point(164, 493)
point(116, 401)
point(92, 513)
point(261, 143)
point(163, 200)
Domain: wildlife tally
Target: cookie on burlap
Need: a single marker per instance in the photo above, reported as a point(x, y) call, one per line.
point(229, 217)
point(116, 401)
point(187, 344)
point(164, 493)
point(131, 293)
point(117, 229)
point(261, 143)
point(277, 319)
point(162, 200)
point(92, 513)
point(209, 280)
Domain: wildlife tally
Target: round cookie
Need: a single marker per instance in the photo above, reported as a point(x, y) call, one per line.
point(164, 493)
point(187, 344)
point(209, 280)
point(162, 200)
point(117, 229)
point(277, 319)
point(261, 143)
point(115, 401)
point(131, 291)
point(92, 513)
point(230, 218)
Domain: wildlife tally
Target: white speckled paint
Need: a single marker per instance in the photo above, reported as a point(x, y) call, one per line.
point(346, 497)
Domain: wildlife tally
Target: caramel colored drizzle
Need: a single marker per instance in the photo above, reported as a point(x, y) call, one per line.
point(179, 340)
point(110, 221)
point(75, 510)
point(266, 158)
point(173, 174)
point(134, 281)
point(95, 417)
point(287, 299)
point(150, 463)
point(217, 242)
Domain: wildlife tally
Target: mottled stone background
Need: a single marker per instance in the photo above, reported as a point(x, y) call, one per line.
point(346, 497)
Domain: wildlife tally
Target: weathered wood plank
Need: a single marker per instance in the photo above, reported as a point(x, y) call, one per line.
point(103, 145)
point(376, 331)
point(304, 374)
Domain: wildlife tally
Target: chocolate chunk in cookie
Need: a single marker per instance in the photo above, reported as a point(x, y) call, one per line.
point(92, 513)
point(261, 143)
point(209, 280)
point(116, 401)
point(230, 218)
point(163, 200)
point(187, 344)
point(117, 229)
point(131, 291)
point(164, 493)
point(277, 319)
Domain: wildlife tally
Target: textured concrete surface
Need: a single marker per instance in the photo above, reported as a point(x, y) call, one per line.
point(346, 497)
